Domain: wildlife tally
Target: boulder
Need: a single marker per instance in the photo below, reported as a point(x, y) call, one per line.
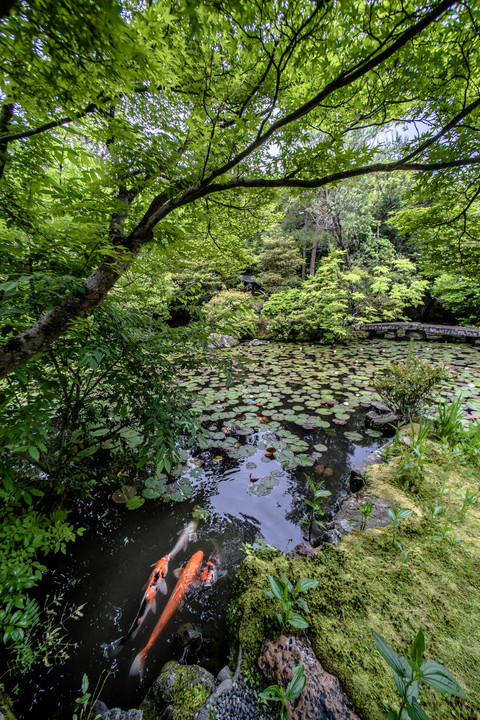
point(304, 549)
point(382, 419)
point(184, 687)
point(350, 510)
point(224, 674)
point(322, 698)
point(218, 340)
point(331, 536)
point(359, 471)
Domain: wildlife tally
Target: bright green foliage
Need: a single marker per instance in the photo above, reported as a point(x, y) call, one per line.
point(279, 262)
point(105, 388)
point(459, 295)
point(395, 515)
point(413, 456)
point(449, 421)
point(366, 511)
point(294, 689)
point(469, 499)
point(318, 310)
point(234, 313)
point(391, 289)
point(25, 537)
point(444, 222)
point(289, 599)
point(407, 386)
point(328, 306)
point(318, 493)
point(111, 135)
point(411, 672)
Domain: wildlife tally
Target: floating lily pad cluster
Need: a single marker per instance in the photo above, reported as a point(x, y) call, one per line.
point(287, 401)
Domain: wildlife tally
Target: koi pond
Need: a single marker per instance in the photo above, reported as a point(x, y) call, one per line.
point(290, 410)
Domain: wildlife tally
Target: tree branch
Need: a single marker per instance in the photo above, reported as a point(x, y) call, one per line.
point(47, 126)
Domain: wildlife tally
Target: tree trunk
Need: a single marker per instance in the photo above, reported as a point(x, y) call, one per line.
point(313, 256)
point(5, 119)
point(304, 254)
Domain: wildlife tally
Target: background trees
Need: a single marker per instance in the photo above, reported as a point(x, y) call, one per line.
point(171, 104)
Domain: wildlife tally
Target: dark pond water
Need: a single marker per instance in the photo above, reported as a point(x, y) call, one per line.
point(293, 409)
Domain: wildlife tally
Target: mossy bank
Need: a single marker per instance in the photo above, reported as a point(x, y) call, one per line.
point(365, 586)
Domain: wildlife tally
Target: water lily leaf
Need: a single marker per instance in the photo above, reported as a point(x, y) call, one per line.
point(320, 448)
point(353, 436)
point(151, 493)
point(373, 433)
point(270, 481)
point(258, 489)
point(184, 491)
point(135, 502)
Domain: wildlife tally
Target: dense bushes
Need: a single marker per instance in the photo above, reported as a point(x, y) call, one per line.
point(330, 305)
point(234, 313)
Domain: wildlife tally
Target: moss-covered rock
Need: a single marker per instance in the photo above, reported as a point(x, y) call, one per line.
point(364, 586)
point(6, 705)
point(185, 687)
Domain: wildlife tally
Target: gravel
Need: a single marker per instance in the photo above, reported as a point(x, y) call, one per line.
point(241, 703)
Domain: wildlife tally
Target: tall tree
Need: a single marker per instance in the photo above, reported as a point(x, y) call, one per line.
point(184, 101)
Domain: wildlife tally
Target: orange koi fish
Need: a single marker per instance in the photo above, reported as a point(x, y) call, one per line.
point(187, 576)
point(156, 582)
point(210, 571)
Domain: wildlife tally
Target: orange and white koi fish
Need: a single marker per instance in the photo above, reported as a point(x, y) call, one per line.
point(156, 582)
point(188, 576)
point(210, 571)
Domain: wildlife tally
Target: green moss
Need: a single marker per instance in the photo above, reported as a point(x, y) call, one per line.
point(183, 686)
point(363, 586)
point(188, 699)
point(6, 707)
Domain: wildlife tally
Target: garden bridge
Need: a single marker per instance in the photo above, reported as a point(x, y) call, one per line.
point(421, 331)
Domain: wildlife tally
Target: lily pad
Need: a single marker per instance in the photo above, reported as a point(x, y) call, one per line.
point(258, 489)
point(353, 436)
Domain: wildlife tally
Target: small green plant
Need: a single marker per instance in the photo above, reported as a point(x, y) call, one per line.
point(449, 422)
point(432, 511)
point(447, 533)
point(407, 386)
point(395, 515)
point(289, 599)
point(410, 673)
point(295, 687)
point(310, 519)
point(412, 468)
point(366, 511)
point(469, 499)
point(84, 703)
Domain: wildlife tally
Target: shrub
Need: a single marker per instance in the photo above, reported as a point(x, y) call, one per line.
point(318, 310)
point(406, 386)
point(234, 313)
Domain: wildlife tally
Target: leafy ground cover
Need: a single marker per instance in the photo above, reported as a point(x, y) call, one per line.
point(364, 585)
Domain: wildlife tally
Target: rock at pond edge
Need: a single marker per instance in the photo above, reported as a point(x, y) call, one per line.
point(322, 698)
point(218, 340)
point(185, 687)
